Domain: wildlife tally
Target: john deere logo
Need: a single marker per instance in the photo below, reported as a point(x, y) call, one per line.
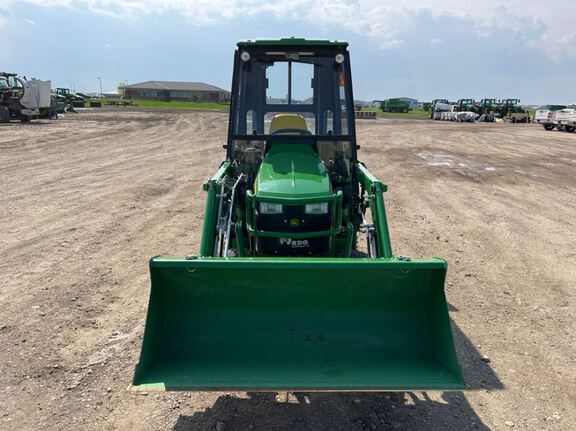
point(294, 222)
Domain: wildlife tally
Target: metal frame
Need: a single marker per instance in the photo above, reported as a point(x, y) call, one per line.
point(258, 96)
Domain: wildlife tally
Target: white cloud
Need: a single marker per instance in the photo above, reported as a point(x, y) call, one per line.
point(436, 41)
point(529, 23)
point(29, 21)
point(566, 46)
point(3, 17)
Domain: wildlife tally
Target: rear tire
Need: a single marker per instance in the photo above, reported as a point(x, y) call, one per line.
point(548, 126)
point(570, 129)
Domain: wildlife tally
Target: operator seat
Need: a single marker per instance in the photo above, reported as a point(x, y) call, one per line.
point(288, 124)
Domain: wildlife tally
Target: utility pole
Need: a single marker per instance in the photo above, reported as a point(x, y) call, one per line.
point(100, 80)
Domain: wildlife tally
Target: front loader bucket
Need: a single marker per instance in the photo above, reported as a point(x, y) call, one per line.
point(297, 324)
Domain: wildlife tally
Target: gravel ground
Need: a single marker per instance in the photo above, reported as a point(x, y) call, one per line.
point(85, 201)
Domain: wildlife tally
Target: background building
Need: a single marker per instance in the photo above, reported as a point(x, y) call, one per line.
point(170, 90)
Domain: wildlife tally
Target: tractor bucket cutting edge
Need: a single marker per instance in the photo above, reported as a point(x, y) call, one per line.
point(305, 324)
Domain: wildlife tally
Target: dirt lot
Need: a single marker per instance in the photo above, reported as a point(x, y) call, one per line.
point(86, 201)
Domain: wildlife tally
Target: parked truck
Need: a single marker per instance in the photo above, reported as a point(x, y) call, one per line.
point(546, 116)
point(565, 119)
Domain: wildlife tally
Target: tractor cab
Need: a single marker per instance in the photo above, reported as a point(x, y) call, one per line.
point(292, 115)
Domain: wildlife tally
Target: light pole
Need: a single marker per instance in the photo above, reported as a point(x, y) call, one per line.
point(100, 80)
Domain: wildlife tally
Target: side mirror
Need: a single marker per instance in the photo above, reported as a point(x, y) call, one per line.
point(225, 146)
point(357, 146)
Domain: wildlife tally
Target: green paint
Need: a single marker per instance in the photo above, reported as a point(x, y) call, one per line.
point(324, 323)
point(292, 171)
point(287, 324)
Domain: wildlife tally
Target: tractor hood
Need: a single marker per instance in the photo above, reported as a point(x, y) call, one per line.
point(292, 171)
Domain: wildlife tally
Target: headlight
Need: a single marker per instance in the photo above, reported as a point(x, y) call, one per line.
point(268, 208)
point(339, 58)
point(320, 208)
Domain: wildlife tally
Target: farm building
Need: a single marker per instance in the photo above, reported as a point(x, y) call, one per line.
point(171, 90)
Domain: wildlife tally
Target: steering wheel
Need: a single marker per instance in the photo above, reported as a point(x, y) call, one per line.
point(301, 132)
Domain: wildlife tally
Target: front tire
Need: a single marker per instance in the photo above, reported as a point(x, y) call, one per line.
point(548, 126)
point(570, 129)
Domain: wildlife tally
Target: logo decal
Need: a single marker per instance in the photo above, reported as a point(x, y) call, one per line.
point(295, 243)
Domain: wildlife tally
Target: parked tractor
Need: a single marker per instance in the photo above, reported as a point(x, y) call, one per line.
point(466, 105)
point(488, 110)
point(511, 111)
point(395, 105)
point(72, 99)
point(295, 285)
point(466, 110)
point(22, 99)
point(433, 105)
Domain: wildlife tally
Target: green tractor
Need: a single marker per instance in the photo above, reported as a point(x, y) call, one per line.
point(432, 106)
point(72, 99)
point(467, 105)
point(489, 110)
point(295, 286)
point(395, 105)
point(511, 111)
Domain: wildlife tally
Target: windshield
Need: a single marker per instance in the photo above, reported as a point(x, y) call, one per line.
point(309, 85)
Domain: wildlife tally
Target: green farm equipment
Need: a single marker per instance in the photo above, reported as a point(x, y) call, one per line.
point(512, 112)
point(23, 99)
point(281, 295)
point(73, 100)
point(466, 105)
point(395, 105)
point(489, 110)
point(433, 104)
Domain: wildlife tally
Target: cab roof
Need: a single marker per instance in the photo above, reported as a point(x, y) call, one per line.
point(293, 42)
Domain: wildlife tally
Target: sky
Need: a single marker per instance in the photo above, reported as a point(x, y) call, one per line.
point(424, 49)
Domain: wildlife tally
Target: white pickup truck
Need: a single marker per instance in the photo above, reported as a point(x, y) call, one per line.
point(545, 116)
point(565, 119)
